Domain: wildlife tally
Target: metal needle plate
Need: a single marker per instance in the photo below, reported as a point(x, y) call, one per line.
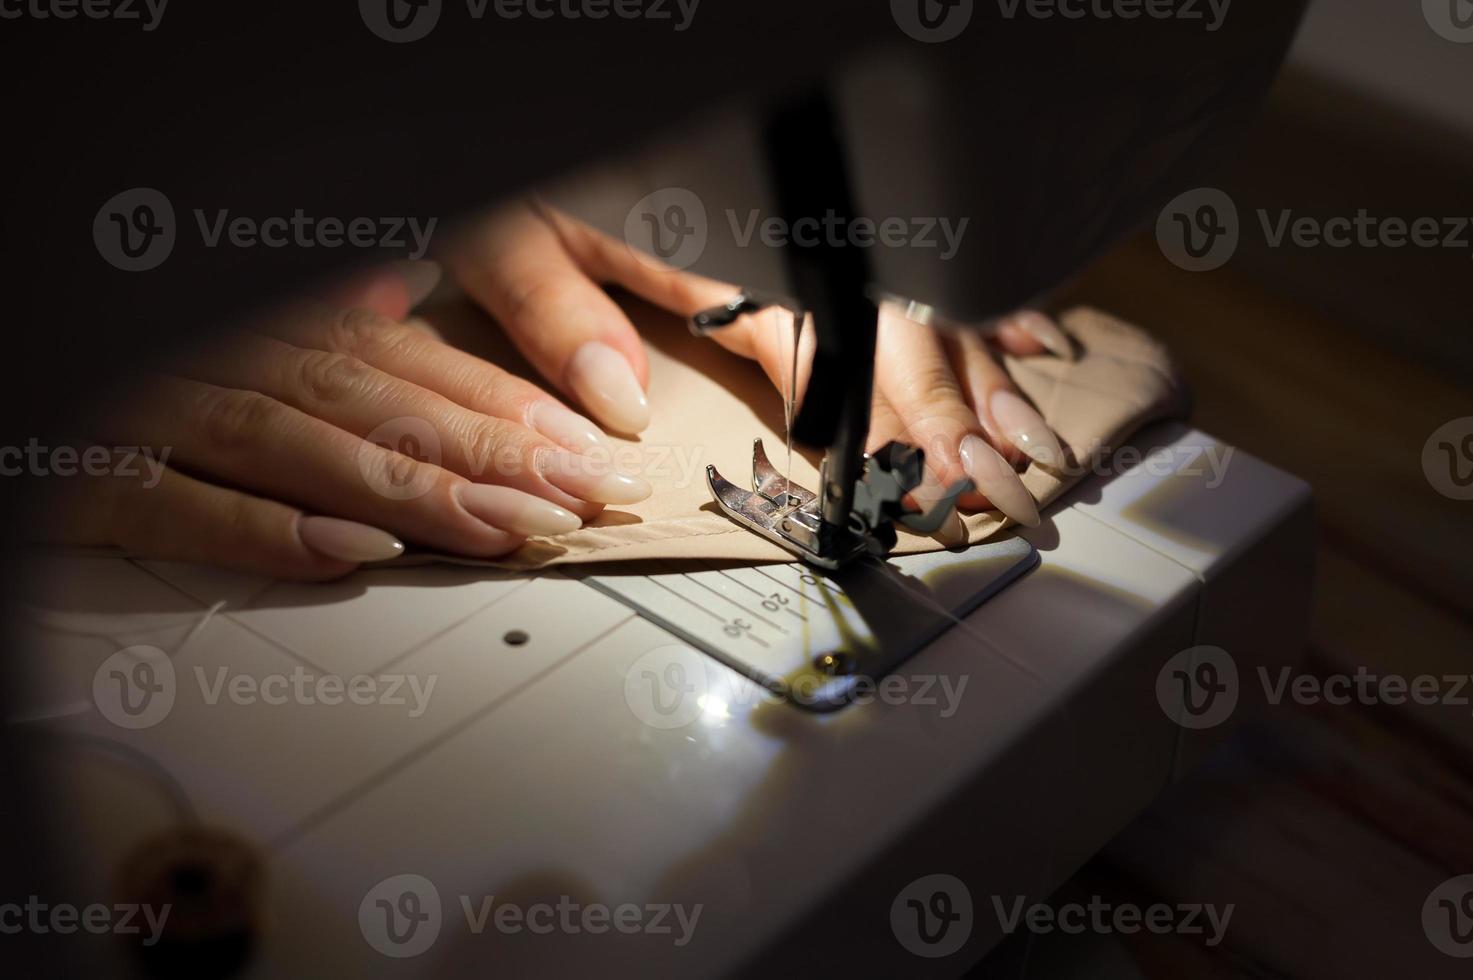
point(810, 635)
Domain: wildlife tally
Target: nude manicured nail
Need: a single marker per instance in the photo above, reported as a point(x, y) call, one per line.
point(1046, 332)
point(420, 278)
point(593, 480)
point(515, 511)
point(1025, 428)
point(604, 381)
point(348, 540)
point(996, 480)
point(566, 427)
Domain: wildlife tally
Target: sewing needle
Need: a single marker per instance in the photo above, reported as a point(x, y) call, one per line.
point(790, 404)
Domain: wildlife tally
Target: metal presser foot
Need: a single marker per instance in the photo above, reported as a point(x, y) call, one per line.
point(855, 514)
point(789, 515)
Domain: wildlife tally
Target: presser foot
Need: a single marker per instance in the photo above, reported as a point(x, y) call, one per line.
point(789, 515)
point(785, 514)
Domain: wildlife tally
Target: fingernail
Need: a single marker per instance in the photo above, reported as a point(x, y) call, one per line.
point(1046, 332)
point(593, 480)
point(348, 540)
point(515, 511)
point(421, 276)
point(566, 427)
point(1025, 428)
point(997, 481)
point(604, 381)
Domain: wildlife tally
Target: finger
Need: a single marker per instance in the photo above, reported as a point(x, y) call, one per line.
point(167, 515)
point(250, 441)
point(367, 402)
point(1013, 425)
point(766, 337)
point(608, 260)
point(885, 426)
point(914, 374)
point(1029, 333)
point(392, 290)
point(514, 265)
point(421, 359)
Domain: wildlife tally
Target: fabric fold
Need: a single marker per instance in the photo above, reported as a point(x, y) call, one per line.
point(709, 405)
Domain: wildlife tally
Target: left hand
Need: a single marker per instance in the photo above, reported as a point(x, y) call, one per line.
point(541, 274)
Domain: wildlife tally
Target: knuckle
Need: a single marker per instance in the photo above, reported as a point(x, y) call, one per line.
point(933, 382)
point(402, 471)
point(396, 476)
point(236, 518)
point(361, 332)
point(507, 395)
point(330, 376)
point(533, 296)
point(493, 446)
point(233, 418)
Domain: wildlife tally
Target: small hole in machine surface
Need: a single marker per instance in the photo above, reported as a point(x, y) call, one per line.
point(515, 638)
point(835, 663)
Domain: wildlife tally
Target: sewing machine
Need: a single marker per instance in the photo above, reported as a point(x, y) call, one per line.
point(561, 754)
point(593, 743)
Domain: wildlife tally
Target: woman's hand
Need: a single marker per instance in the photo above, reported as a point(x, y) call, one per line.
point(315, 441)
point(541, 274)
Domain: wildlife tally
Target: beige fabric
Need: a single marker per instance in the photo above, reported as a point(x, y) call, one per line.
point(709, 405)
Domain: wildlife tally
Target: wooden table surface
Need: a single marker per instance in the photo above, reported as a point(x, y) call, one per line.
point(1327, 827)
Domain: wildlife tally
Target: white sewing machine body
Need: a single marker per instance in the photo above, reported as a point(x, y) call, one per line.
point(533, 775)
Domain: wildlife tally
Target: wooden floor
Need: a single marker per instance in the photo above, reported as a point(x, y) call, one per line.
point(1327, 827)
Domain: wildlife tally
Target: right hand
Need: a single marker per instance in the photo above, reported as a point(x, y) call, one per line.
point(542, 273)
